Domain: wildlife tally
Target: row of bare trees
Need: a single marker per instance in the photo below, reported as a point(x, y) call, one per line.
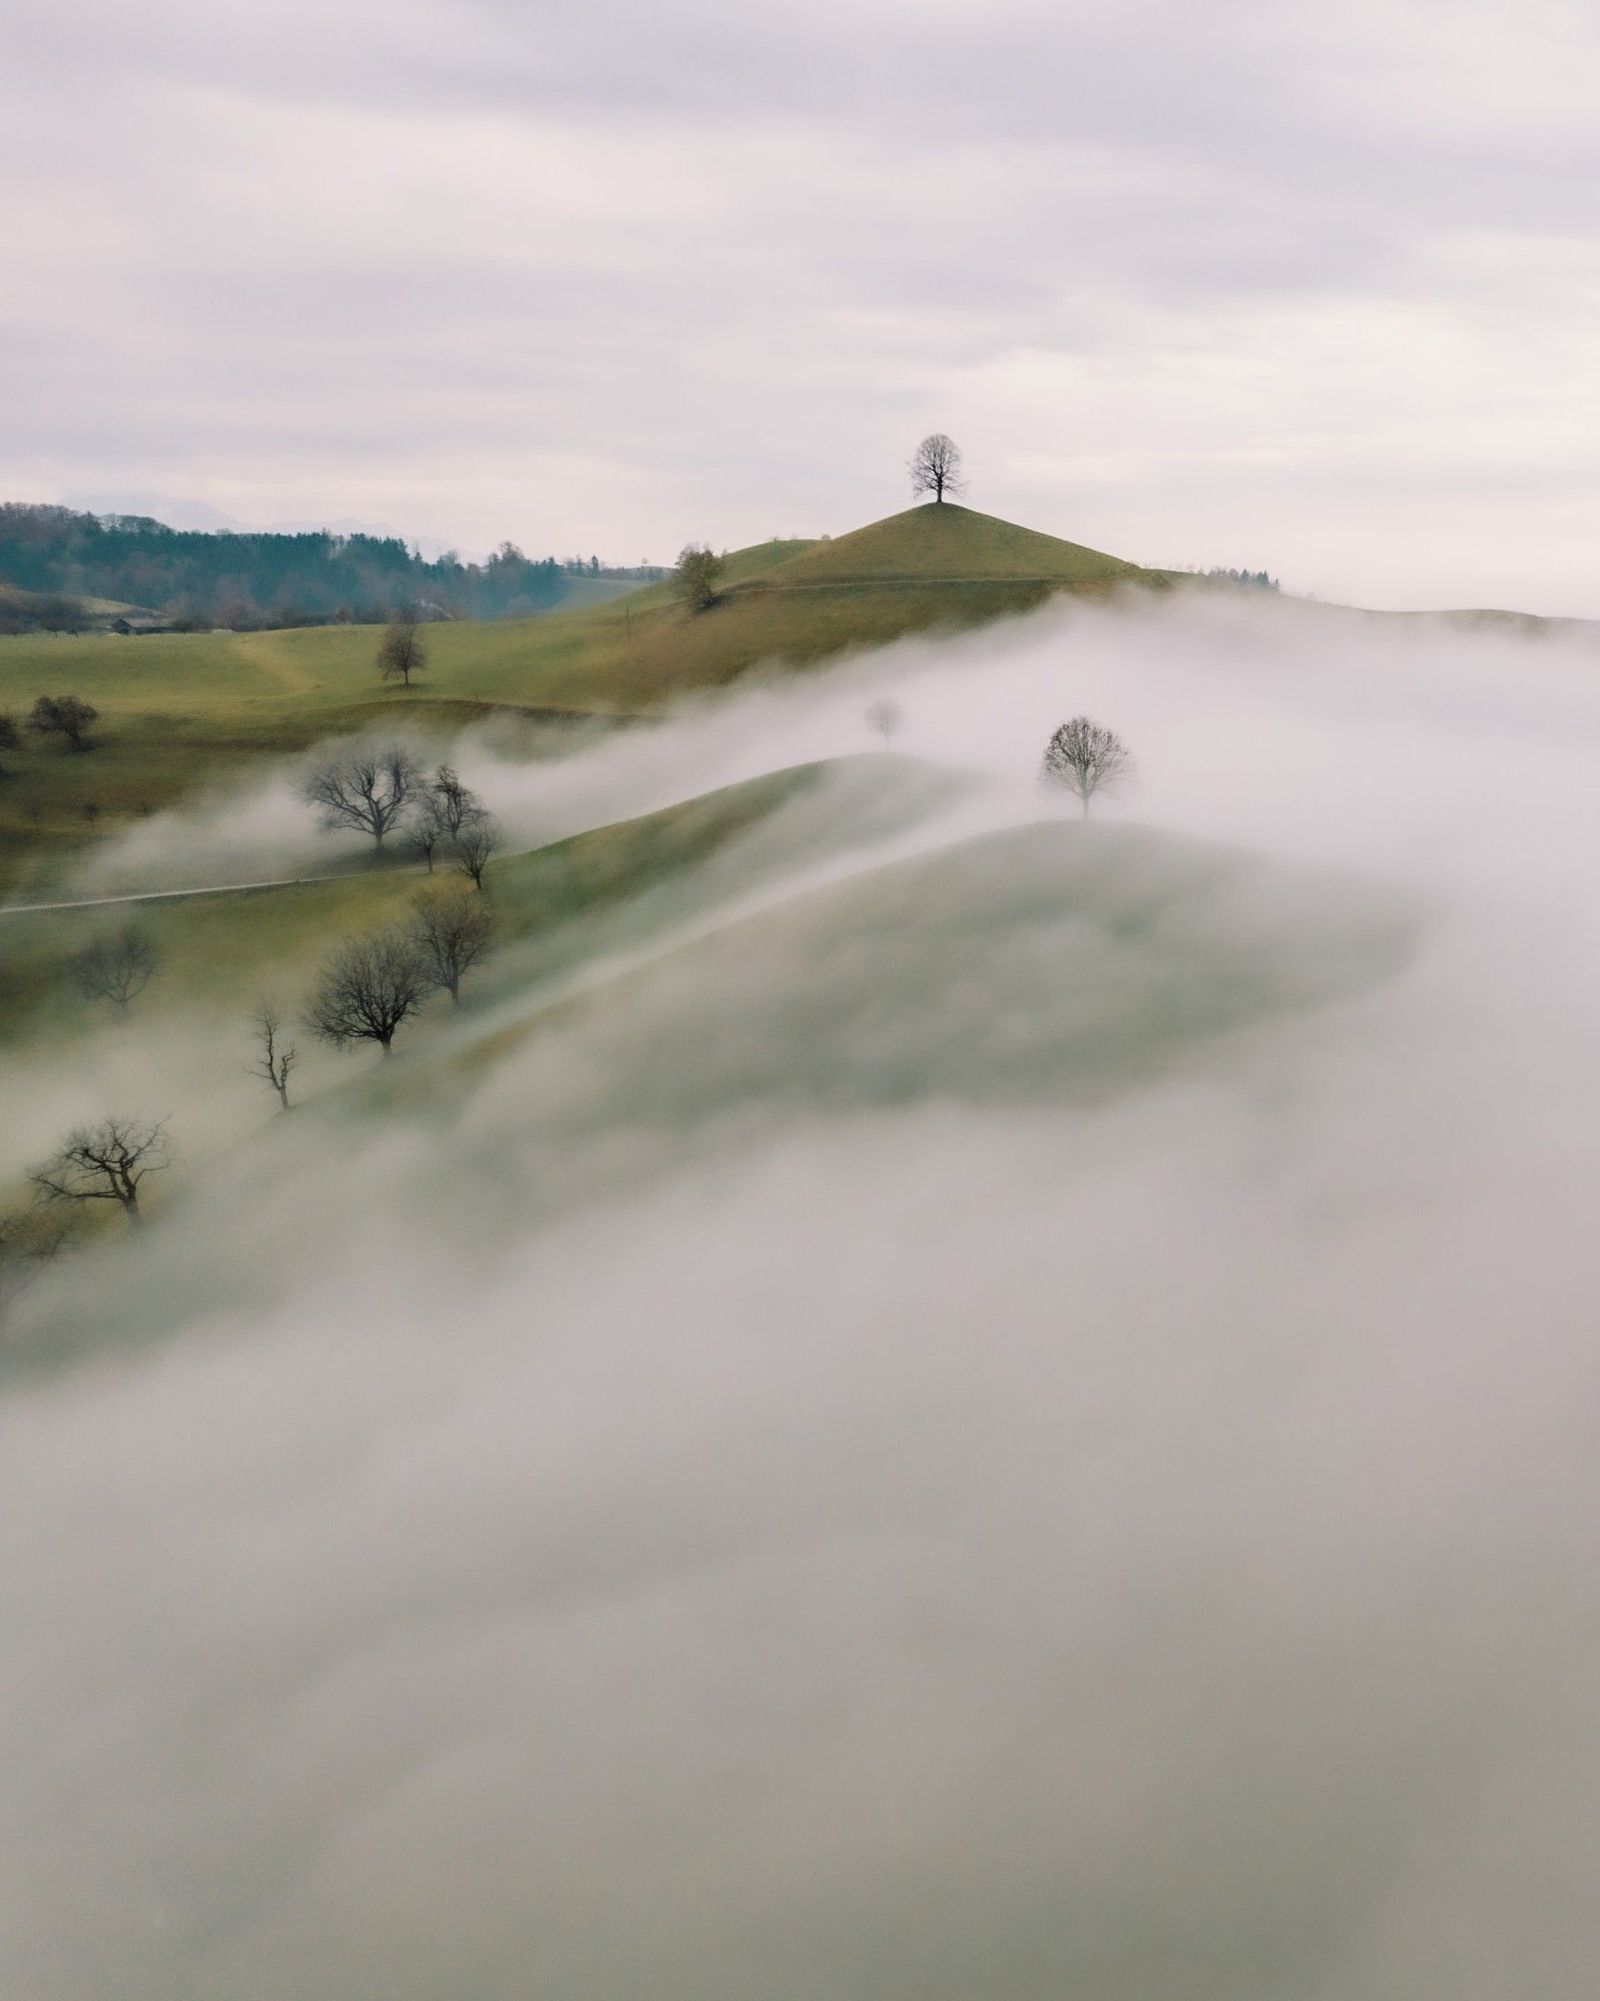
point(364, 992)
point(369, 987)
point(366, 989)
point(383, 790)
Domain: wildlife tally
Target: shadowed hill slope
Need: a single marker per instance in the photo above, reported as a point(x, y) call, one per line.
point(1045, 962)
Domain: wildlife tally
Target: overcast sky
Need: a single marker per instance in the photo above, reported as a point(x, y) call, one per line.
point(1282, 285)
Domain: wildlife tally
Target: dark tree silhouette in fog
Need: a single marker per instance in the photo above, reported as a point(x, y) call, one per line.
point(1083, 758)
point(364, 789)
point(452, 930)
point(474, 847)
point(936, 466)
point(104, 1163)
point(116, 968)
point(426, 831)
point(367, 989)
point(275, 1058)
point(30, 1240)
point(10, 736)
point(884, 718)
point(457, 805)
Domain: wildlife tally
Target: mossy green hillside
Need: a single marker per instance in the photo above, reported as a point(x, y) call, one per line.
point(183, 710)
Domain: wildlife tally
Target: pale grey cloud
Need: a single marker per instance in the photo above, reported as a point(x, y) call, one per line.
point(1233, 284)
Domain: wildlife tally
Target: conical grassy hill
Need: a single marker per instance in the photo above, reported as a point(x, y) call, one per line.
point(932, 568)
point(950, 545)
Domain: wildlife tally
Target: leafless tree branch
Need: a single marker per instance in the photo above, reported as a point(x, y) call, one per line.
point(1084, 757)
point(104, 1163)
point(936, 467)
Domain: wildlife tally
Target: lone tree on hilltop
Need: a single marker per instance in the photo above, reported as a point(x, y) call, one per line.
point(697, 576)
point(367, 989)
point(275, 1058)
point(104, 1163)
point(1083, 758)
point(452, 930)
point(64, 716)
point(884, 719)
point(116, 968)
point(475, 845)
point(10, 736)
point(401, 652)
point(368, 790)
point(936, 466)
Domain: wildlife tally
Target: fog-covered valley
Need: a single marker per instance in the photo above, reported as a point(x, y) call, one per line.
point(939, 1399)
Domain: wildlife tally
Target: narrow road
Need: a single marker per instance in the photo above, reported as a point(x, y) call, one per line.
point(170, 895)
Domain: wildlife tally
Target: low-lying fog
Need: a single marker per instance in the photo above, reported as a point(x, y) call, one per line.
point(668, 1526)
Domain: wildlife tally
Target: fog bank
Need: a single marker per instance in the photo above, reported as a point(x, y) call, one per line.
point(655, 1519)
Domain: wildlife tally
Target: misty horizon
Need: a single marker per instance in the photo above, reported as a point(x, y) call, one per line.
point(798, 1088)
point(1196, 287)
point(679, 1497)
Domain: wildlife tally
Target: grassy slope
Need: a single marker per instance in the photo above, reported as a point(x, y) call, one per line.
point(180, 709)
point(225, 950)
point(1045, 962)
point(949, 544)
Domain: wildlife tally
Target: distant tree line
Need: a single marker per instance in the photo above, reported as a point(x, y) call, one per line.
point(1255, 579)
point(52, 558)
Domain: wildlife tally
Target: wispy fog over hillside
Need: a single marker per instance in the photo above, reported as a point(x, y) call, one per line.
point(978, 1406)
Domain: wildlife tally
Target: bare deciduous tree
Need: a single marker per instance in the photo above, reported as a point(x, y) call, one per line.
point(936, 466)
point(367, 989)
point(368, 790)
point(452, 930)
point(275, 1058)
point(426, 831)
point(104, 1163)
point(30, 1239)
point(457, 804)
point(698, 573)
point(65, 716)
point(116, 968)
point(474, 846)
point(401, 652)
point(1084, 757)
point(884, 718)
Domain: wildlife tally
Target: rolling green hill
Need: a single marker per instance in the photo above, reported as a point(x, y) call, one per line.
point(181, 710)
point(665, 973)
point(1110, 956)
point(951, 545)
point(224, 950)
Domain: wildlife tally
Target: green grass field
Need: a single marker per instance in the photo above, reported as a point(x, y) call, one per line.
point(182, 710)
point(224, 951)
